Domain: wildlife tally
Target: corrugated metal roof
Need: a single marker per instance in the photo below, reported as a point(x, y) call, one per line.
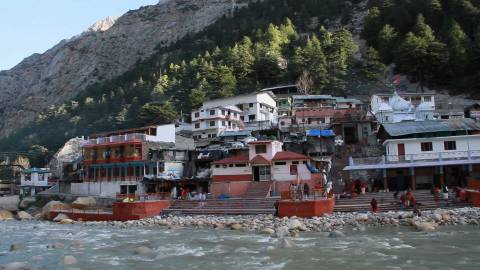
point(236, 133)
point(430, 126)
point(351, 100)
point(312, 97)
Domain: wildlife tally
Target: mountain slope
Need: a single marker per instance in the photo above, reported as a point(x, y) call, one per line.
point(99, 54)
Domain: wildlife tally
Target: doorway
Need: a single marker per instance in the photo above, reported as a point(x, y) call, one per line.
point(401, 150)
point(261, 173)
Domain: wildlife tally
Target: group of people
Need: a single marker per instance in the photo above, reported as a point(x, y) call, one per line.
point(187, 194)
point(300, 191)
point(407, 201)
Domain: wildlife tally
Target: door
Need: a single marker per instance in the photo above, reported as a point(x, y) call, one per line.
point(401, 151)
point(256, 173)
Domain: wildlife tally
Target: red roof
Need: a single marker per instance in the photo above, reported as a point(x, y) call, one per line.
point(260, 142)
point(238, 159)
point(287, 155)
point(260, 160)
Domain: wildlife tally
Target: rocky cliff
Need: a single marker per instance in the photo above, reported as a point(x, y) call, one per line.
point(107, 49)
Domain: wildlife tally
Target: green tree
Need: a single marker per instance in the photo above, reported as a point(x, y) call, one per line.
point(387, 42)
point(157, 113)
point(372, 67)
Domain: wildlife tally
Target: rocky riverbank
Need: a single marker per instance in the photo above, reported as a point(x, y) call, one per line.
point(330, 224)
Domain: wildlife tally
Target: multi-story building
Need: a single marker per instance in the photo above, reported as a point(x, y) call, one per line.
point(425, 154)
point(254, 111)
point(398, 107)
point(283, 96)
point(264, 162)
point(117, 162)
point(34, 180)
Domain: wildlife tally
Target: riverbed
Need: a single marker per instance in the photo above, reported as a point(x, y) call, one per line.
point(43, 245)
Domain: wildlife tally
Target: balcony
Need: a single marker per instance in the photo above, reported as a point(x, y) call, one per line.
point(116, 139)
point(415, 160)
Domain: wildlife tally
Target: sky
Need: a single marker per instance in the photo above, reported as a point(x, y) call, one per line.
point(34, 26)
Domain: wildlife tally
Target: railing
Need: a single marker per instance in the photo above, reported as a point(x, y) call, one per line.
point(117, 138)
point(427, 157)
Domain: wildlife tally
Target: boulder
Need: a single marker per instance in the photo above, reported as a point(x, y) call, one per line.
point(53, 206)
point(84, 202)
point(282, 232)
point(69, 260)
point(236, 226)
point(5, 215)
point(426, 226)
point(142, 250)
point(16, 266)
point(286, 243)
point(67, 221)
point(268, 231)
point(336, 234)
point(294, 224)
point(10, 203)
point(22, 215)
point(361, 217)
point(60, 217)
point(26, 202)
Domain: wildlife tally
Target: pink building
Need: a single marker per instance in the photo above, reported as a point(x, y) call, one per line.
point(265, 162)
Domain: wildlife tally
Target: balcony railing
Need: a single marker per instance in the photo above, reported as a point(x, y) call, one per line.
point(412, 158)
point(117, 138)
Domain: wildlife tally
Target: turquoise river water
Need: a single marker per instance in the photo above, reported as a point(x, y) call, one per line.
point(112, 248)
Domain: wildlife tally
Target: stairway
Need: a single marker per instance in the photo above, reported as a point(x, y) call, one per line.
point(386, 202)
point(258, 189)
point(239, 206)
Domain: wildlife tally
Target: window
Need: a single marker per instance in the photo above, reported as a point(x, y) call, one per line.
point(427, 99)
point(197, 125)
point(280, 163)
point(426, 146)
point(217, 166)
point(282, 123)
point(240, 106)
point(197, 114)
point(293, 169)
point(242, 117)
point(240, 165)
point(450, 145)
point(223, 112)
point(260, 149)
point(295, 162)
point(234, 114)
point(264, 173)
point(250, 105)
point(304, 162)
point(230, 165)
point(212, 123)
point(223, 123)
point(251, 117)
point(212, 112)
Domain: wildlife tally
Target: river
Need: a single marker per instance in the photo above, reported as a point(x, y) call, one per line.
point(97, 247)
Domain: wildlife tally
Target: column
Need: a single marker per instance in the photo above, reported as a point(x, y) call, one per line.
point(94, 174)
point(413, 180)
point(442, 176)
point(385, 180)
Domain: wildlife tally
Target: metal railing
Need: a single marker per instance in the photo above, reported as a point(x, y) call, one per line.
point(117, 138)
point(428, 157)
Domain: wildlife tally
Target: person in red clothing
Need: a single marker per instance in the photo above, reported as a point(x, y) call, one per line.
point(352, 189)
point(374, 205)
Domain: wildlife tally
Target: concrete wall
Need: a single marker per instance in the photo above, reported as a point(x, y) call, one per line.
point(282, 172)
point(233, 189)
point(104, 189)
point(272, 149)
point(36, 179)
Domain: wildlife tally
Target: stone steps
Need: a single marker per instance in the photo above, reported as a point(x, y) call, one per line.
point(258, 189)
point(242, 206)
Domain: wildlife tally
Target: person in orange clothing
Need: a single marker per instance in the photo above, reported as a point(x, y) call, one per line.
point(353, 189)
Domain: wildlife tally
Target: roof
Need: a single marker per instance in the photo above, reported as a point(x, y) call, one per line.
point(261, 142)
point(404, 94)
point(429, 126)
point(260, 160)
point(124, 131)
point(236, 133)
point(37, 170)
point(348, 100)
point(312, 97)
point(287, 155)
point(320, 133)
point(327, 112)
point(238, 159)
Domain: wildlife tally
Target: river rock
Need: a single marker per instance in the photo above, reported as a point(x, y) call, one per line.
point(425, 226)
point(26, 202)
point(69, 260)
point(84, 202)
point(282, 232)
point(77, 243)
point(53, 206)
point(15, 247)
point(22, 215)
point(67, 221)
point(16, 266)
point(10, 203)
point(286, 243)
point(142, 250)
point(236, 226)
point(60, 217)
point(336, 234)
point(5, 215)
point(268, 231)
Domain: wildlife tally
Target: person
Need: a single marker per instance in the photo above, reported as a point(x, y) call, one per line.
point(402, 201)
point(374, 205)
point(294, 191)
point(416, 210)
point(300, 192)
point(306, 190)
point(173, 193)
point(329, 188)
point(277, 204)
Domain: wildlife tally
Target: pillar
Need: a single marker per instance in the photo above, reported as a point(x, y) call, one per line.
point(385, 180)
point(442, 176)
point(94, 174)
point(413, 180)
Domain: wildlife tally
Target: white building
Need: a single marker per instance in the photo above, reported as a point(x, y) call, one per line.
point(34, 180)
point(251, 111)
point(394, 108)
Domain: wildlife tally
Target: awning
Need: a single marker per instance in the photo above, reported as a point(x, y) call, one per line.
point(320, 133)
